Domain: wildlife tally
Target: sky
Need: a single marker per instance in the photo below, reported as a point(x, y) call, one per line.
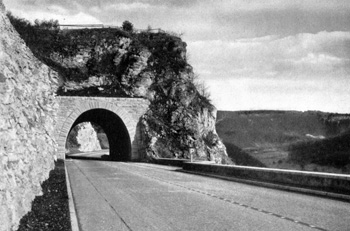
point(250, 54)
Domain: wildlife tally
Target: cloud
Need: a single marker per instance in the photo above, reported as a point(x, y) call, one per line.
point(301, 72)
point(300, 56)
point(258, 94)
point(237, 19)
point(85, 4)
point(207, 19)
point(58, 14)
point(255, 5)
point(65, 12)
point(129, 6)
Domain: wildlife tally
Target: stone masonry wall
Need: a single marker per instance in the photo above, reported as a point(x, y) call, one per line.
point(27, 119)
point(129, 110)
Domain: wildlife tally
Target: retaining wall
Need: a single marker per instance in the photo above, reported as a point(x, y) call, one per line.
point(27, 119)
point(171, 162)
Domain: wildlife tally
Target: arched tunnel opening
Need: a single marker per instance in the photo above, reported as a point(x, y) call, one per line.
point(114, 128)
point(87, 137)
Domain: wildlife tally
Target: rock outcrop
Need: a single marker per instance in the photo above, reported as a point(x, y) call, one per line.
point(27, 119)
point(112, 62)
point(87, 138)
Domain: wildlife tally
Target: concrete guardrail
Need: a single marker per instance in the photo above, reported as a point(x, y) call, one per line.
point(171, 162)
point(325, 182)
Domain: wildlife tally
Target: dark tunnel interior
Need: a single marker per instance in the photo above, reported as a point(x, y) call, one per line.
point(115, 129)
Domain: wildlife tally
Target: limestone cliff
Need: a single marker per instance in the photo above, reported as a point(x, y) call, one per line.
point(27, 112)
point(84, 137)
point(112, 62)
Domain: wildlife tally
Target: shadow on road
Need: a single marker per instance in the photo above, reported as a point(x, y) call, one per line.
point(81, 157)
point(94, 155)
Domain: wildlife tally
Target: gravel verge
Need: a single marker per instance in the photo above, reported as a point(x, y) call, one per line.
point(51, 210)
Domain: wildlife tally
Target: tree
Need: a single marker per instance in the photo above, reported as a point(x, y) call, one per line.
point(46, 24)
point(149, 28)
point(128, 26)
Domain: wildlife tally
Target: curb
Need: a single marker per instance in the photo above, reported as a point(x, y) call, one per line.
point(336, 196)
point(72, 211)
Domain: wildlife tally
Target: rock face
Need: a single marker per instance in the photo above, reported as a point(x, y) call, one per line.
point(27, 112)
point(195, 138)
point(87, 138)
point(83, 137)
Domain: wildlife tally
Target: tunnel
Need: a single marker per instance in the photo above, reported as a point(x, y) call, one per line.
point(115, 129)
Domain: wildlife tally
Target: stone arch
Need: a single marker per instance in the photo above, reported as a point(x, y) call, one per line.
point(118, 124)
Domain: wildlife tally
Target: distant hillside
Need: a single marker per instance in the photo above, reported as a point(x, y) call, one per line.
point(311, 140)
point(258, 129)
point(241, 157)
point(333, 151)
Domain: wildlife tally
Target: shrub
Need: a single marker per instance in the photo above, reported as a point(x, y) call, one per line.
point(128, 26)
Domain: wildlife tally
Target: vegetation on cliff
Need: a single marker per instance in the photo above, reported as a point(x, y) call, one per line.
point(120, 62)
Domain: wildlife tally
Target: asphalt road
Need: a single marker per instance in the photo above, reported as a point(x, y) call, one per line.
point(139, 196)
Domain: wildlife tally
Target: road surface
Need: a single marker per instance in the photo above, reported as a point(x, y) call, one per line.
point(140, 196)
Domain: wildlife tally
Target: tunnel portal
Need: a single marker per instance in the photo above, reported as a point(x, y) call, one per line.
point(118, 117)
point(115, 129)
